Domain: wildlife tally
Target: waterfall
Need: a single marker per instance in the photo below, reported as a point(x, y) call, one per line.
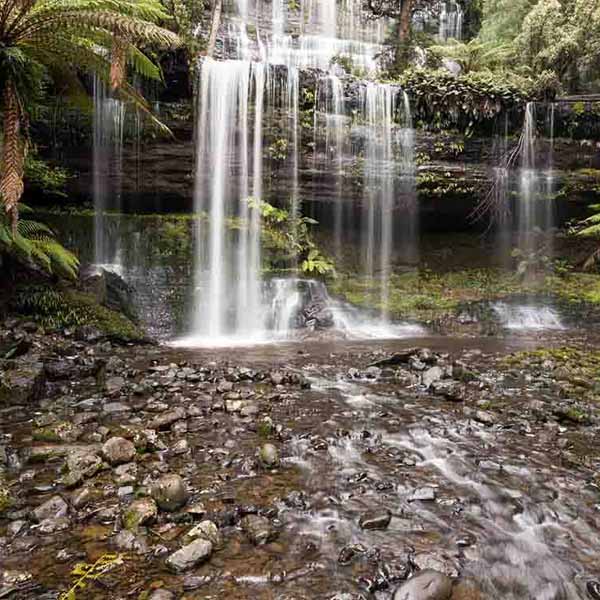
point(227, 269)
point(108, 122)
point(378, 106)
point(536, 212)
point(242, 104)
point(451, 21)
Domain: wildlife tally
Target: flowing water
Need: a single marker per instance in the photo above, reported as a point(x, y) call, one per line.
point(108, 124)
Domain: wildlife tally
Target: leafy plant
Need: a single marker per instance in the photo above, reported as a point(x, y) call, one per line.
point(590, 227)
point(86, 573)
point(315, 262)
point(40, 175)
point(56, 40)
point(35, 243)
point(474, 55)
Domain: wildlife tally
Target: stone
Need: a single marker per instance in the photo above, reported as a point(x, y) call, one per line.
point(257, 529)
point(170, 492)
point(189, 556)
point(81, 464)
point(114, 385)
point(450, 390)
point(118, 450)
point(425, 561)
point(166, 419)
point(206, 530)
point(82, 497)
point(162, 595)
point(22, 381)
point(375, 520)
point(52, 525)
point(51, 509)
point(431, 375)
point(140, 512)
point(425, 585)
point(423, 494)
point(269, 456)
point(129, 542)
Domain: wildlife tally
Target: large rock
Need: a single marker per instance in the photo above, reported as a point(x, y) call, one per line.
point(140, 512)
point(110, 290)
point(426, 585)
point(21, 381)
point(51, 509)
point(189, 556)
point(81, 464)
point(170, 492)
point(257, 529)
point(118, 450)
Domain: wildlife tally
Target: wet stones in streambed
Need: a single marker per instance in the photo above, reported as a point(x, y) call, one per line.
point(54, 508)
point(268, 456)
point(375, 519)
point(170, 492)
point(140, 512)
point(118, 450)
point(258, 529)
point(190, 555)
point(166, 419)
point(206, 530)
point(81, 464)
point(425, 585)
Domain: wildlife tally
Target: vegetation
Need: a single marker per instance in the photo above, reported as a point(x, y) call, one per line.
point(85, 573)
point(49, 43)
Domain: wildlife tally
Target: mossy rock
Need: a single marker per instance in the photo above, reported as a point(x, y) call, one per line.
point(56, 308)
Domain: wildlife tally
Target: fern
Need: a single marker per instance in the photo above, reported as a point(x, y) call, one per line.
point(86, 573)
point(35, 242)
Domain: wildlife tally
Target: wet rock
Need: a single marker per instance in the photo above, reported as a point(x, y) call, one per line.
point(257, 529)
point(170, 492)
point(130, 542)
point(118, 450)
point(162, 595)
point(431, 375)
point(114, 385)
point(166, 419)
point(140, 512)
point(424, 561)
point(81, 464)
point(59, 432)
point(426, 585)
point(51, 509)
point(269, 456)
point(450, 390)
point(349, 552)
point(82, 497)
point(593, 589)
point(206, 530)
point(189, 556)
point(21, 381)
point(485, 417)
point(53, 525)
point(125, 473)
point(15, 527)
point(424, 494)
point(375, 520)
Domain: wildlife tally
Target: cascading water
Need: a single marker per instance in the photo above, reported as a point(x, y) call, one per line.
point(236, 99)
point(535, 213)
point(228, 274)
point(108, 124)
point(451, 21)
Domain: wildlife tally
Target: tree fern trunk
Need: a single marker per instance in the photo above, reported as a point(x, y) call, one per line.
point(214, 28)
point(13, 156)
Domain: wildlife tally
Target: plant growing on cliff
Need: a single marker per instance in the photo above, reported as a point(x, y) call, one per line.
point(34, 244)
point(590, 227)
point(53, 41)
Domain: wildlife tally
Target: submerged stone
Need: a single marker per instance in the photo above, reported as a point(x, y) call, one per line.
point(426, 585)
point(189, 556)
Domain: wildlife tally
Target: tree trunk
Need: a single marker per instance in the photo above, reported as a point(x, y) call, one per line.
point(403, 37)
point(214, 27)
point(13, 155)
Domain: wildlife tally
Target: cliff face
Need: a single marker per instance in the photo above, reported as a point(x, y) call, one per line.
point(453, 171)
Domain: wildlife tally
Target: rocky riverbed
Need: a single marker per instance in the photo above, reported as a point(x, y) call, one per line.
point(415, 469)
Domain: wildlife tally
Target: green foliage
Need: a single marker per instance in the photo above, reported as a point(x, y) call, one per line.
point(442, 101)
point(84, 573)
point(39, 175)
point(475, 55)
point(278, 150)
point(35, 244)
point(316, 263)
point(288, 237)
point(54, 308)
point(590, 227)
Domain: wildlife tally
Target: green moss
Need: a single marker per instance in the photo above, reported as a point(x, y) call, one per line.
point(56, 308)
point(426, 295)
point(6, 500)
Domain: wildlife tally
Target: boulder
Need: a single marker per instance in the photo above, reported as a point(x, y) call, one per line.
point(21, 381)
point(189, 556)
point(425, 585)
point(170, 492)
point(118, 450)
